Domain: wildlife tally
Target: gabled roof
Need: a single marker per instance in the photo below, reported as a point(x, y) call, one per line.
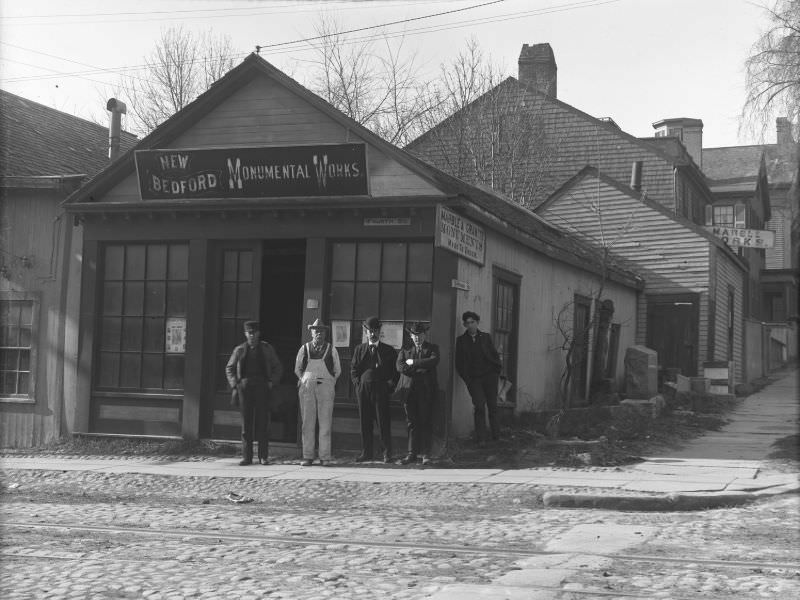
point(541, 235)
point(734, 162)
point(578, 145)
point(590, 171)
point(39, 141)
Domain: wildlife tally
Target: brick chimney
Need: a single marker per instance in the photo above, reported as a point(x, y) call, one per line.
point(537, 68)
point(783, 127)
point(689, 131)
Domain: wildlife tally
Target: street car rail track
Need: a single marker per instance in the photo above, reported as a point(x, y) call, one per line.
point(308, 541)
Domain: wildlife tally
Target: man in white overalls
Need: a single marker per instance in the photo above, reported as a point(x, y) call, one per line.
point(317, 367)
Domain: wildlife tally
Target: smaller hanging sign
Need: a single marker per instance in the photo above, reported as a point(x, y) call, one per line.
point(341, 333)
point(176, 335)
point(460, 235)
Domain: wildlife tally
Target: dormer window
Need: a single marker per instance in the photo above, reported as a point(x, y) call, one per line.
point(730, 216)
point(723, 215)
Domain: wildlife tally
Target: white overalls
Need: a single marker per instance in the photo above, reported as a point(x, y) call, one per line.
point(316, 392)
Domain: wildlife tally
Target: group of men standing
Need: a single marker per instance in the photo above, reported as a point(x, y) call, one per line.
point(376, 370)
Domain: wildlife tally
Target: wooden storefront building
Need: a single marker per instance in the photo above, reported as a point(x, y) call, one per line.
point(261, 201)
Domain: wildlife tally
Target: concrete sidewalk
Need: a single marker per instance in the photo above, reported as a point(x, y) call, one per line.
point(721, 468)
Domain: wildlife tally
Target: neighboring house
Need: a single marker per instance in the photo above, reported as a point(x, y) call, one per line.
point(45, 154)
point(259, 200)
point(691, 277)
point(769, 171)
point(522, 140)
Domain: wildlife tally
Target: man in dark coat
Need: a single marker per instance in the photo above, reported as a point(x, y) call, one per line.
point(253, 369)
point(478, 364)
point(418, 362)
point(373, 373)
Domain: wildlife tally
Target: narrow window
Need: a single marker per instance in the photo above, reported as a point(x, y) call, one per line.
point(18, 317)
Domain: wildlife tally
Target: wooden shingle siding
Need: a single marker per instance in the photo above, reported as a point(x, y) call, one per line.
point(728, 273)
point(672, 258)
point(576, 139)
point(546, 287)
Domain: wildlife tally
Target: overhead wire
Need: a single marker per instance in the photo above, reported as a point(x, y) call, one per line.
point(226, 12)
point(303, 44)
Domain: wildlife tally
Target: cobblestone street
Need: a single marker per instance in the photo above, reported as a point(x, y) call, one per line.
point(93, 535)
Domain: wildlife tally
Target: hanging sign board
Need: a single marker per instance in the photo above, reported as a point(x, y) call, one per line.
point(460, 235)
point(267, 172)
point(745, 238)
point(175, 336)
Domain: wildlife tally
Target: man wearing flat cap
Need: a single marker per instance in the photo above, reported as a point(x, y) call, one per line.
point(418, 362)
point(253, 369)
point(372, 370)
point(478, 364)
point(317, 368)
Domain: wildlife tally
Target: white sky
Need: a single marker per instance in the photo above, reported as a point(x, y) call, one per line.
point(636, 61)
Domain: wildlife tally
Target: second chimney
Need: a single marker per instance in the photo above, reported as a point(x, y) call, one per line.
point(636, 175)
point(117, 109)
point(537, 68)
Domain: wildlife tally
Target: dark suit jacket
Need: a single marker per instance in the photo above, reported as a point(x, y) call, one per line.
point(361, 363)
point(425, 361)
point(486, 345)
point(272, 365)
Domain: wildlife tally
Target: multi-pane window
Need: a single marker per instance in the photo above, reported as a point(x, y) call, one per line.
point(17, 353)
point(504, 326)
point(723, 215)
point(235, 305)
point(142, 317)
point(391, 280)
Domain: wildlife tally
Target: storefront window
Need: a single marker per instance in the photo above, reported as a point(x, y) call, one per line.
point(142, 324)
point(392, 280)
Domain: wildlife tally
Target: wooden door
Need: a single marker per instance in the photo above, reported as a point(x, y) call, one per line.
point(234, 297)
point(672, 332)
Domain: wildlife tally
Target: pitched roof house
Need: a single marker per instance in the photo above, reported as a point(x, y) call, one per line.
point(522, 140)
point(691, 276)
point(259, 200)
point(44, 155)
point(735, 173)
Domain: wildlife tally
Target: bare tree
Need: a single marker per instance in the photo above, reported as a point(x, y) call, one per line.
point(181, 67)
point(370, 81)
point(772, 72)
point(487, 129)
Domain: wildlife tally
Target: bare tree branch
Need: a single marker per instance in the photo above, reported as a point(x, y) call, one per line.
point(772, 72)
point(180, 68)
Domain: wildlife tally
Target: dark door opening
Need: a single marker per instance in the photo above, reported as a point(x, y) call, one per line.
point(672, 333)
point(281, 312)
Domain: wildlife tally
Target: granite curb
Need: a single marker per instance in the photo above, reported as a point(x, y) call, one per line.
point(674, 502)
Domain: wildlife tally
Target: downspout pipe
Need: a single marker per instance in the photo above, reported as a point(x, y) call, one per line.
point(117, 108)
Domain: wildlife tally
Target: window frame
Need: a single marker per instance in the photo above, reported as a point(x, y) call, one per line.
point(100, 387)
point(35, 298)
point(501, 276)
point(344, 392)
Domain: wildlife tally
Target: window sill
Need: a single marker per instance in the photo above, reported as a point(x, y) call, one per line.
point(16, 400)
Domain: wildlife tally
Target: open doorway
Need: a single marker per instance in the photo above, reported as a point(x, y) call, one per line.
point(281, 312)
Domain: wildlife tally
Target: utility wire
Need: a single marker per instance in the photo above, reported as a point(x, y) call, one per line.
point(318, 37)
point(227, 12)
point(363, 39)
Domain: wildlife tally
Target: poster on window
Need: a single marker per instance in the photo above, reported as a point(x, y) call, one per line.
point(340, 331)
point(176, 335)
point(391, 333)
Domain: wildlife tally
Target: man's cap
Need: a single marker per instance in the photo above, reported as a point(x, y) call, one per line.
point(252, 325)
point(470, 315)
